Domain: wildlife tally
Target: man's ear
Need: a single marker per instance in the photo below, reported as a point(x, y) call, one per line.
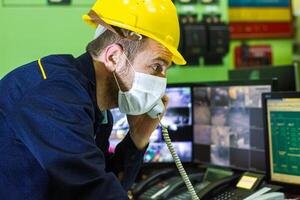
point(111, 56)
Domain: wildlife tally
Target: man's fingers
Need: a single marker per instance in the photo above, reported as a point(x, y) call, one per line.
point(165, 100)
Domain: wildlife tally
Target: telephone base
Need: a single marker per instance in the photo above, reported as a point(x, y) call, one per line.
point(213, 174)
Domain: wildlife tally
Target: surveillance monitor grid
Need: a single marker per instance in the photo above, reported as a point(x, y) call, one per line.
point(228, 129)
point(178, 118)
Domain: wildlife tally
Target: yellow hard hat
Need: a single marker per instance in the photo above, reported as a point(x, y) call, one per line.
point(156, 19)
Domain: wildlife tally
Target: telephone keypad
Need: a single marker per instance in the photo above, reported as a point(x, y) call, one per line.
point(225, 196)
point(230, 195)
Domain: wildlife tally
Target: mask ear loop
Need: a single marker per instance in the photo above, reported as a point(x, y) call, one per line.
point(115, 74)
point(117, 81)
point(129, 62)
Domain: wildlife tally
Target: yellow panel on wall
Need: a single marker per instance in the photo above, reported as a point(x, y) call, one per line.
point(260, 14)
point(296, 7)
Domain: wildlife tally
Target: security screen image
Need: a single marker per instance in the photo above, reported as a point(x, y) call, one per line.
point(159, 152)
point(239, 121)
point(220, 155)
point(227, 125)
point(178, 118)
point(219, 96)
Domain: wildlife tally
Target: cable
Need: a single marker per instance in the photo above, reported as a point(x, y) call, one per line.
point(178, 162)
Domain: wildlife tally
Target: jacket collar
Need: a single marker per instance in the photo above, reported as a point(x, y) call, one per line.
point(86, 66)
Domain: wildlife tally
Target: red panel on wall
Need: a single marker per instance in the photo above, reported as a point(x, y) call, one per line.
point(261, 30)
point(252, 55)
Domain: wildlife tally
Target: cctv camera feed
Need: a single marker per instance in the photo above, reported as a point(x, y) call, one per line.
point(228, 129)
point(178, 118)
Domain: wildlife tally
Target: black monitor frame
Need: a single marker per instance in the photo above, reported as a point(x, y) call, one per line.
point(265, 97)
point(271, 72)
point(272, 83)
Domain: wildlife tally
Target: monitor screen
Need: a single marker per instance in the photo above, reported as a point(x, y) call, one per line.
point(286, 76)
point(283, 142)
point(228, 129)
point(178, 118)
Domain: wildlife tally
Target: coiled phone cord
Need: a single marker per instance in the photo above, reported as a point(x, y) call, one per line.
point(178, 162)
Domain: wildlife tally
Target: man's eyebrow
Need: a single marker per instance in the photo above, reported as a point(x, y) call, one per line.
point(161, 59)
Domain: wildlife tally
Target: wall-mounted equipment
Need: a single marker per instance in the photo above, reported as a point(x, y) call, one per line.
point(193, 42)
point(255, 19)
point(243, 30)
point(59, 2)
point(208, 38)
point(296, 7)
point(217, 39)
point(209, 1)
point(254, 55)
point(259, 3)
point(186, 1)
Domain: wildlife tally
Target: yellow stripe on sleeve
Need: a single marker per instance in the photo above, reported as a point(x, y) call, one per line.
point(42, 69)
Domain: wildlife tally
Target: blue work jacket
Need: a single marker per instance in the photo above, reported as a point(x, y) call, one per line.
point(53, 144)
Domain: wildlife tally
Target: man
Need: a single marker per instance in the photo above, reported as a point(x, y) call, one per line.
point(54, 112)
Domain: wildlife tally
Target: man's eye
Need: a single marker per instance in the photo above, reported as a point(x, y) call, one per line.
point(157, 68)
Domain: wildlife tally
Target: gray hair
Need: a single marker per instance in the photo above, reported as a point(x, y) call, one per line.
point(131, 46)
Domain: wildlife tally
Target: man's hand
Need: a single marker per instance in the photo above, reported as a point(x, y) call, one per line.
point(142, 126)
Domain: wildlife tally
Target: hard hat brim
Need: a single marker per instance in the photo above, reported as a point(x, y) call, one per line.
point(178, 59)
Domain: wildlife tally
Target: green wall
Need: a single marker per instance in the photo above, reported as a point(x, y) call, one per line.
point(30, 32)
point(35, 30)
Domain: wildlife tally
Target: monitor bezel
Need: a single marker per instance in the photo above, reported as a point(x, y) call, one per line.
point(294, 66)
point(271, 82)
point(265, 98)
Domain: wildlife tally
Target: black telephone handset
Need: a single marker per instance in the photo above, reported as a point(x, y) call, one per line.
point(216, 187)
point(178, 185)
point(152, 180)
point(165, 189)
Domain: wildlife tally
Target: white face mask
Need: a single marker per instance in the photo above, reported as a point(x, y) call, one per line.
point(147, 90)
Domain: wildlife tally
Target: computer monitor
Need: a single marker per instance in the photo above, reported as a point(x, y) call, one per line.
point(282, 132)
point(178, 118)
point(287, 75)
point(228, 129)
